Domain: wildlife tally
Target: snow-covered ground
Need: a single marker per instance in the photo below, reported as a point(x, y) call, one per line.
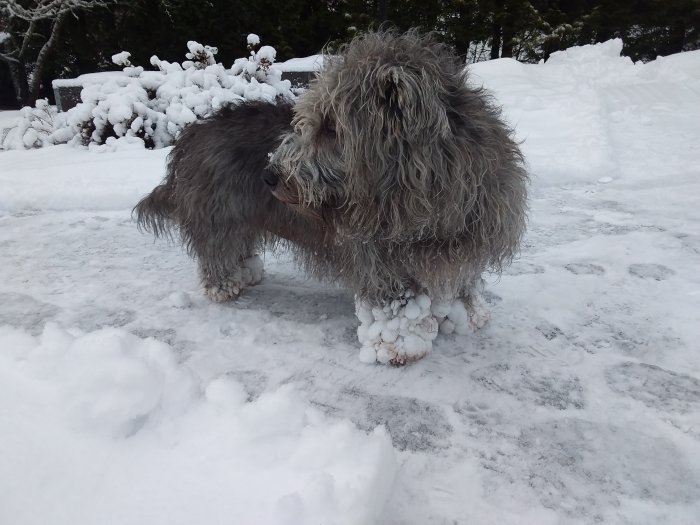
point(127, 398)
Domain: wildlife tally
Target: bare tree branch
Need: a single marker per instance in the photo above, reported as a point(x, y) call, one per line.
point(48, 9)
point(27, 23)
point(28, 35)
point(8, 58)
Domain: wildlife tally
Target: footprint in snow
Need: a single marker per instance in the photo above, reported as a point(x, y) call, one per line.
point(658, 272)
point(578, 466)
point(523, 268)
point(585, 269)
point(553, 390)
point(23, 311)
point(98, 317)
point(655, 387)
point(413, 424)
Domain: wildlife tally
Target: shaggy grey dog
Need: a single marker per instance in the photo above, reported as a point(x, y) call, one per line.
point(394, 177)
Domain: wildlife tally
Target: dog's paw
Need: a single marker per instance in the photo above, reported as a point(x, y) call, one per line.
point(464, 316)
point(249, 273)
point(223, 291)
point(478, 311)
point(252, 270)
point(398, 332)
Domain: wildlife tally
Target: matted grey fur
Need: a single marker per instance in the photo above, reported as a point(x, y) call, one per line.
point(395, 177)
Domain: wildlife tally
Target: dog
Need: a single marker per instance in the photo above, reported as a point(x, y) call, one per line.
point(390, 175)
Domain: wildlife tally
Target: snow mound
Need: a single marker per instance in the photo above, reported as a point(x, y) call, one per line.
point(117, 417)
point(562, 110)
point(310, 63)
point(122, 59)
point(596, 61)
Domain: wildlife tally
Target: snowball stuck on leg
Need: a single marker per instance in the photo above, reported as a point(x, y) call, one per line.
point(463, 315)
point(396, 332)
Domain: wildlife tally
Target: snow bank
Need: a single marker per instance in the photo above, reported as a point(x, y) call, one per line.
point(114, 430)
point(310, 63)
point(562, 109)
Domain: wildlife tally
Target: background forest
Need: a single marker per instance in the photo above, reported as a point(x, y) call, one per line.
point(45, 39)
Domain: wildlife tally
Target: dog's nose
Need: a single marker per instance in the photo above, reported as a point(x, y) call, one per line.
point(271, 179)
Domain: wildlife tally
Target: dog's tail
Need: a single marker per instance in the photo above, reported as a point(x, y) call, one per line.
point(154, 212)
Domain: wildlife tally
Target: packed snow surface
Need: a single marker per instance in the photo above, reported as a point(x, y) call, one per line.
point(126, 397)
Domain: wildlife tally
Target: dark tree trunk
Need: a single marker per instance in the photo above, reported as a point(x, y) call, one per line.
point(42, 58)
point(383, 13)
point(495, 39)
point(507, 50)
point(677, 37)
point(18, 74)
point(507, 29)
point(497, 28)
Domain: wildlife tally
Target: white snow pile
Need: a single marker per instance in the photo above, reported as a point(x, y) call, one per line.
point(121, 59)
point(253, 40)
point(200, 56)
point(574, 98)
point(117, 418)
point(35, 128)
point(149, 107)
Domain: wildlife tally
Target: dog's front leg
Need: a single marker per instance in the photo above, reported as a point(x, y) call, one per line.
point(397, 331)
point(465, 314)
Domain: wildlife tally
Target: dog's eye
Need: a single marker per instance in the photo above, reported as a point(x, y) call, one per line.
point(328, 125)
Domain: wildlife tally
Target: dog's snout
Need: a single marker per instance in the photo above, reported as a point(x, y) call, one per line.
point(271, 178)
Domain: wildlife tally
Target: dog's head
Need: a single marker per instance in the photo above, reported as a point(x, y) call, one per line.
point(376, 139)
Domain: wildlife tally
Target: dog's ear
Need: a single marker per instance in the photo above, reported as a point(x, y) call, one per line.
point(410, 106)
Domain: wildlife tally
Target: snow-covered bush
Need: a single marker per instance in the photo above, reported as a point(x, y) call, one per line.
point(258, 64)
point(154, 106)
point(37, 126)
